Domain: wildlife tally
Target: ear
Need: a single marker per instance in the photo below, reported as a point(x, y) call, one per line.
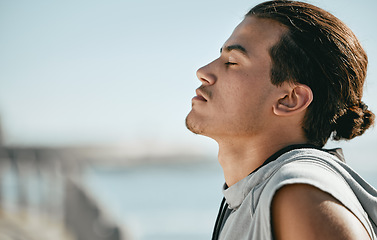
point(296, 98)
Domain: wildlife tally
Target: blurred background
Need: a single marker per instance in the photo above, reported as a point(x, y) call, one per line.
point(93, 97)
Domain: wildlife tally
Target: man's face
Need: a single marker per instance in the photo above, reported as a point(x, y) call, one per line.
point(236, 95)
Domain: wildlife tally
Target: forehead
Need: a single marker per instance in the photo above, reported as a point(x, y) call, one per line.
point(255, 33)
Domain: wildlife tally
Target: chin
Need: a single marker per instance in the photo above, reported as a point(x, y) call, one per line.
point(193, 124)
point(190, 125)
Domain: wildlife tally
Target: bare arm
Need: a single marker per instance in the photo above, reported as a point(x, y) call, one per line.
point(300, 211)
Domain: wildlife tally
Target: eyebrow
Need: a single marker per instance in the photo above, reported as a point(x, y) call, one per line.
point(235, 47)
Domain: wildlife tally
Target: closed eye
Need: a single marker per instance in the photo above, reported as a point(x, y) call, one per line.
point(230, 63)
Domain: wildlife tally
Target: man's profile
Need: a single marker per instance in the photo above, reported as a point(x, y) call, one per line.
point(289, 77)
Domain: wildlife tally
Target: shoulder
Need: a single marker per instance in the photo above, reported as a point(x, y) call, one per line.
point(301, 211)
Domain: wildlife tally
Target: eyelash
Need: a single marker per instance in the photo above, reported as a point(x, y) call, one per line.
point(230, 63)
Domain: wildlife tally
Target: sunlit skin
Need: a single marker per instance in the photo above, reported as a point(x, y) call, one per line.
point(250, 119)
point(304, 212)
point(247, 115)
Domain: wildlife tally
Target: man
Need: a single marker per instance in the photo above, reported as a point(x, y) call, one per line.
point(290, 76)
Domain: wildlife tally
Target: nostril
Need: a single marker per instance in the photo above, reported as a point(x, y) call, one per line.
point(205, 75)
point(204, 81)
point(207, 79)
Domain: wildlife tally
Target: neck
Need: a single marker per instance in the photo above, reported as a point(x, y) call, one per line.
point(239, 157)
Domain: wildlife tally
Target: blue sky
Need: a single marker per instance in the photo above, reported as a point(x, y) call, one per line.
point(93, 72)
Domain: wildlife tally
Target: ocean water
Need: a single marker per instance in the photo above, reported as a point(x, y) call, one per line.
point(165, 201)
point(160, 201)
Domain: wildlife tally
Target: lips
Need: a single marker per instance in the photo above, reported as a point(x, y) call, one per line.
point(200, 96)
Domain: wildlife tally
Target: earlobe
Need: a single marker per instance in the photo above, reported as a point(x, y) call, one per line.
point(296, 100)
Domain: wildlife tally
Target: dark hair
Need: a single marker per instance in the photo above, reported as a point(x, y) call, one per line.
point(320, 51)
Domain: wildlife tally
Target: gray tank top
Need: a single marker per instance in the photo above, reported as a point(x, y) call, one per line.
point(250, 198)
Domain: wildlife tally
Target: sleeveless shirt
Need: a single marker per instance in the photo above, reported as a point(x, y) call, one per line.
point(250, 199)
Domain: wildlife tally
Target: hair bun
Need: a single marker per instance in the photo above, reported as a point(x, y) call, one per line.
point(355, 120)
point(363, 106)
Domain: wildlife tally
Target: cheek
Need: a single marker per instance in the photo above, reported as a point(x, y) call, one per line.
point(238, 100)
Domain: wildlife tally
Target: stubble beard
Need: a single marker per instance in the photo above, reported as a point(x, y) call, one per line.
point(190, 125)
point(235, 129)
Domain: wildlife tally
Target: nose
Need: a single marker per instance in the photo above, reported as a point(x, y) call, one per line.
point(205, 75)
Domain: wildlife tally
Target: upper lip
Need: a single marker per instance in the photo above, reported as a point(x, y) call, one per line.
point(200, 93)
